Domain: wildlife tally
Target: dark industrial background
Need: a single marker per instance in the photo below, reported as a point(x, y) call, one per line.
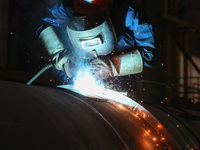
point(174, 81)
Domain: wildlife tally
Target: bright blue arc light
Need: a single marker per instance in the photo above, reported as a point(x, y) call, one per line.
point(89, 1)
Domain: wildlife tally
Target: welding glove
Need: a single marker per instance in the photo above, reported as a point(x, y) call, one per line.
point(101, 68)
point(121, 65)
point(55, 48)
point(62, 61)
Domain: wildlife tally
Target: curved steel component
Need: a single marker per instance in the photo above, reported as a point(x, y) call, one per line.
point(34, 117)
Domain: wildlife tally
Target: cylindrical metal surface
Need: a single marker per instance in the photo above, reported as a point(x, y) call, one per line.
point(34, 117)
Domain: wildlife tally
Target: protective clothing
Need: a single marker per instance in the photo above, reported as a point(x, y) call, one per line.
point(120, 65)
point(56, 50)
point(51, 41)
point(132, 30)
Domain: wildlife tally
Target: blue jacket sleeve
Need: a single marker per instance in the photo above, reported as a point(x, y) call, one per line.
point(143, 36)
point(54, 16)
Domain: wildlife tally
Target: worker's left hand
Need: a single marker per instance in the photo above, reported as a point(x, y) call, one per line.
point(100, 68)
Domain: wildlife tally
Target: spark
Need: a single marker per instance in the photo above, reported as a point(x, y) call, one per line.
point(144, 115)
point(159, 126)
point(163, 138)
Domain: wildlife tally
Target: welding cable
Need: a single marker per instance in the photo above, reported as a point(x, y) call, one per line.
point(39, 73)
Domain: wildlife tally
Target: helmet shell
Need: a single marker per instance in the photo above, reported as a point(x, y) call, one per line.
point(89, 33)
point(86, 7)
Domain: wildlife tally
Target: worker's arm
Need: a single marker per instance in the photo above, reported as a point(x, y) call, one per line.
point(121, 65)
point(144, 38)
point(57, 18)
point(135, 31)
point(56, 50)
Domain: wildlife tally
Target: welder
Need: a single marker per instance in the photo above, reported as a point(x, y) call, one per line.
point(113, 38)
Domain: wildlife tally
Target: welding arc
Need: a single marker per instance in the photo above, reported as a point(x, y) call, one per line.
point(39, 73)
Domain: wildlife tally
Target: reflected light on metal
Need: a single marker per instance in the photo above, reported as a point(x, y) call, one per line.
point(120, 106)
point(152, 135)
point(154, 139)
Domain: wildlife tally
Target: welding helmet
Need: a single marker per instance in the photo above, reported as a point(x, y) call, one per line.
point(92, 35)
point(90, 6)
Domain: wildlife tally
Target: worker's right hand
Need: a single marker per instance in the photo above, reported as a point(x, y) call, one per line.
point(101, 68)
